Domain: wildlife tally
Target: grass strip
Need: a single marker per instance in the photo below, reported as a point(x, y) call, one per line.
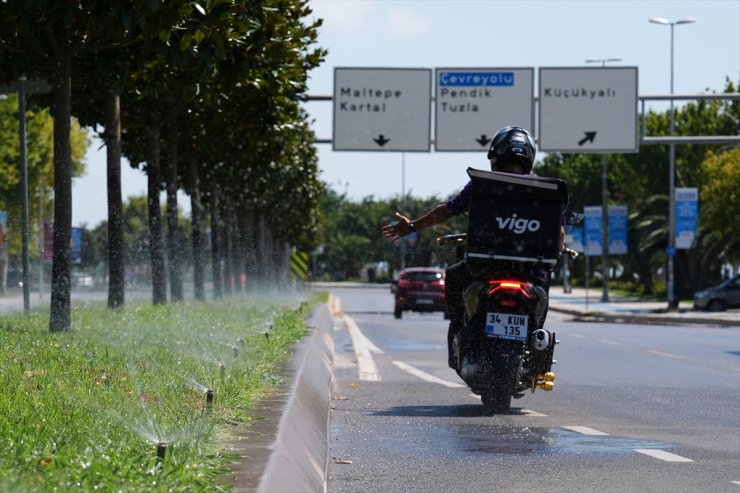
point(85, 410)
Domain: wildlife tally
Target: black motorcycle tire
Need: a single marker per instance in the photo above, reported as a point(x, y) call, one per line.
point(397, 312)
point(497, 399)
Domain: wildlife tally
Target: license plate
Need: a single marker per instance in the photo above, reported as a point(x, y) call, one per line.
point(424, 302)
point(507, 326)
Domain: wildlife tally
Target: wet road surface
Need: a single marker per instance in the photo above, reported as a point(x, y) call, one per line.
point(635, 408)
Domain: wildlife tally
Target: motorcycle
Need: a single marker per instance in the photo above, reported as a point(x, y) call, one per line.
point(510, 250)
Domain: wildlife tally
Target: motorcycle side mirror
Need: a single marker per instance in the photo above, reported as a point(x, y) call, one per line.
point(572, 218)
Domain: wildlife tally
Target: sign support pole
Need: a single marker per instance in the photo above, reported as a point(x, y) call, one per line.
point(24, 193)
point(604, 232)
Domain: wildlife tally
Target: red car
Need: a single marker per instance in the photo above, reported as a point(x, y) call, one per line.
point(420, 289)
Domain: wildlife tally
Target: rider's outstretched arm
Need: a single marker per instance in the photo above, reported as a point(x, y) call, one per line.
point(404, 226)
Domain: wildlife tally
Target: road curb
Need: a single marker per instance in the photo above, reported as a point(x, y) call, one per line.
point(300, 452)
point(649, 319)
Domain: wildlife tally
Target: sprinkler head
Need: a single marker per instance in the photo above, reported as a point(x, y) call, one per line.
point(223, 370)
point(161, 450)
point(209, 397)
point(236, 352)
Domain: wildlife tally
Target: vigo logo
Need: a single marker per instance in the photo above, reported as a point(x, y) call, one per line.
point(519, 226)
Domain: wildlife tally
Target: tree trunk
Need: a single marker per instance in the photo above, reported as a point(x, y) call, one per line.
point(246, 227)
point(60, 307)
point(196, 219)
point(116, 275)
point(226, 246)
point(173, 226)
point(156, 253)
point(218, 282)
point(237, 247)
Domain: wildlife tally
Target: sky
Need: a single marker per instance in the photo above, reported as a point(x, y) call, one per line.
point(477, 34)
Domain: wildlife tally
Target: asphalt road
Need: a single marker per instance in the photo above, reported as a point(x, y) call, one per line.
point(649, 408)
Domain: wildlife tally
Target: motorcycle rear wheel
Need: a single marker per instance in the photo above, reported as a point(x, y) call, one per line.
point(497, 399)
point(496, 402)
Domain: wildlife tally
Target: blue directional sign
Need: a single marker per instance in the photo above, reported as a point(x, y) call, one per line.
point(574, 238)
point(592, 226)
point(76, 246)
point(687, 211)
point(617, 229)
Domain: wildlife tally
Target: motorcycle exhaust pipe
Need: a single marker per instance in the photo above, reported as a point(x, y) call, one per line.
point(541, 339)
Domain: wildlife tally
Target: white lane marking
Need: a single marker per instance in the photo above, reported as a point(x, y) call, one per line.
point(534, 414)
point(735, 482)
point(667, 355)
point(426, 376)
point(662, 455)
point(613, 343)
point(365, 362)
point(368, 343)
point(584, 430)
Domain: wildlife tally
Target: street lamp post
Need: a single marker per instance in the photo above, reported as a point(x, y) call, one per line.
point(671, 250)
point(604, 206)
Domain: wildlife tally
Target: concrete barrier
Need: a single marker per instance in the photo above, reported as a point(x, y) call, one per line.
point(300, 452)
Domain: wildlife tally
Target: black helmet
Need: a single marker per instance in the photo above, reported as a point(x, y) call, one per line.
point(512, 144)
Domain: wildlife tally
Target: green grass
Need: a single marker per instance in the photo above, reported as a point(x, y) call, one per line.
point(84, 410)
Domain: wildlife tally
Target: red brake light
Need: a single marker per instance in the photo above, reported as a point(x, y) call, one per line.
point(404, 283)
point(510, 285)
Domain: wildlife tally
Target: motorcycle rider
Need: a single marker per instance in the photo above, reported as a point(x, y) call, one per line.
point(512, 150)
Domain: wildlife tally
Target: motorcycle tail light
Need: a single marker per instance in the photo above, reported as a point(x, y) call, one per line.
point(509, 285)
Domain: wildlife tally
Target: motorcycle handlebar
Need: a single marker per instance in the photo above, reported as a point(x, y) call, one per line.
point(455, 238)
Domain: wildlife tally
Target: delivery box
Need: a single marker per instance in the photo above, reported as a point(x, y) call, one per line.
point(515, 217)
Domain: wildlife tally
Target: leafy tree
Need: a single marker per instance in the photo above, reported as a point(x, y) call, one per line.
point(719, 206)
point(41, 38)
point(39, 155)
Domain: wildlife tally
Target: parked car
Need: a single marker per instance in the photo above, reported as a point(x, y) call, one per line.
point(726, 295)
point(420, 289)
point(82, 279)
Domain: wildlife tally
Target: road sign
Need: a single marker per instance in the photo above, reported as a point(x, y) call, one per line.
point(472, 104)
point(617, 229)
point(592, 230)
point(687, 212)
point(299, 265)
point(382, 109)
point(588, 109)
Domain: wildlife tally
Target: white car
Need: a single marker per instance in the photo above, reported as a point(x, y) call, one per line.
point(82, 279)
point(726, 295)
